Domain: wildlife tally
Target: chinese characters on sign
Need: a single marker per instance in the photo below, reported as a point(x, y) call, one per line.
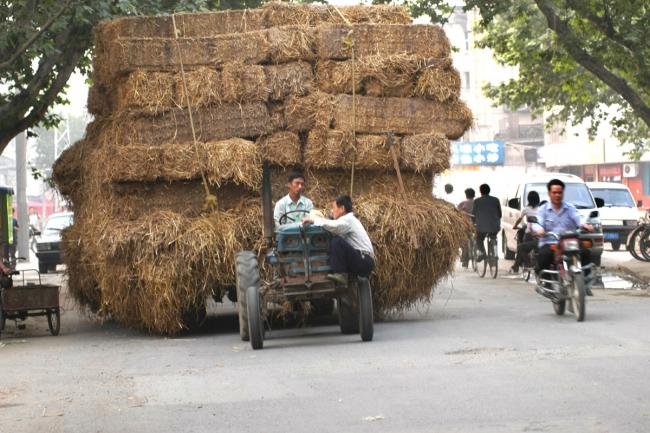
point(477, 152)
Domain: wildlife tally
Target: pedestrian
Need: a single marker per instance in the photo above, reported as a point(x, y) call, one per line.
point(466, 207)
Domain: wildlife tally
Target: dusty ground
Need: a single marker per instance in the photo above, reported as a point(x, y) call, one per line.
point(485, 356)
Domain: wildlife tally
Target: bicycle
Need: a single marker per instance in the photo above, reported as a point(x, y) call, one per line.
point(639, 241)
point(473, 254)
point(491, 258)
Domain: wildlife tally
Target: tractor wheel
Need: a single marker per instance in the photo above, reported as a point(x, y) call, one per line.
point(366, 323)
point(248, 275)
point(255, 322)
point(348, 319)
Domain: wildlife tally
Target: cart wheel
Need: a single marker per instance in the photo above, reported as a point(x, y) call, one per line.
point(348, 319)
point(255, 322)
point(366, 326)
point(54, 321)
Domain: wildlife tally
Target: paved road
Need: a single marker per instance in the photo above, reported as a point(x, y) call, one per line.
point(485, 356)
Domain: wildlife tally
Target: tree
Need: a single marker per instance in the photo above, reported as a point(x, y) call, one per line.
point(43, 41)
point(577, 59)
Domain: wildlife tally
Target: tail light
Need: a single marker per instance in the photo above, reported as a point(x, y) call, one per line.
point(570, 245)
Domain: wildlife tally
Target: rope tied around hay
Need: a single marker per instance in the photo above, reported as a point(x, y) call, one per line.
point(210, 200)
point(348, 41)
point(391, 146)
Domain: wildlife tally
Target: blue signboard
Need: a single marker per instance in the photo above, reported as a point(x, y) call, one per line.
point(477, 152)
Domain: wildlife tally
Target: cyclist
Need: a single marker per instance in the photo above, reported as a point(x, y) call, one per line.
point(466, 206)
point(527, 241)
point(487, 217)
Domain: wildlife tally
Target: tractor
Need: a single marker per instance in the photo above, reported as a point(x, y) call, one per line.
point(297, 256)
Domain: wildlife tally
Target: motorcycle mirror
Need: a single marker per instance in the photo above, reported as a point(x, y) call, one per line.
point(594, 214)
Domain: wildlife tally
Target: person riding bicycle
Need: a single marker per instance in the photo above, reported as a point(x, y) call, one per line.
point(558, 217)
point(466, 207)
point(527, 242)
point(487, 217)
point(294, 206)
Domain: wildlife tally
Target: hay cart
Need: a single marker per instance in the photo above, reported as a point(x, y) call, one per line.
point(298, 257)
point(18, 302)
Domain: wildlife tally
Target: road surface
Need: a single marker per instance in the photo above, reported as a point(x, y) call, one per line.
point(485, 356)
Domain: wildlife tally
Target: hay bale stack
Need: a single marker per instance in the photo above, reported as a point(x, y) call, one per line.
point(162, 203)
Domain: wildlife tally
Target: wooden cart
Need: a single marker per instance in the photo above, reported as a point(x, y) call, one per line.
point(19, 302)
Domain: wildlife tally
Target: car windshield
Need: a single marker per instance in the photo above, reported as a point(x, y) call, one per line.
point(614, 197)
point(58, 223)
point(575, 193)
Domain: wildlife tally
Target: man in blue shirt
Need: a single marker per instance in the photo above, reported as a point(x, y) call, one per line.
point(558, 217)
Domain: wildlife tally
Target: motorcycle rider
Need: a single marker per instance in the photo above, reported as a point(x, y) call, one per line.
point(466, 207)
point(558, 217)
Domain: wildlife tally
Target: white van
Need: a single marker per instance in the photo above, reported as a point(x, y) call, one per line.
point(619, 214)
point(576, 192)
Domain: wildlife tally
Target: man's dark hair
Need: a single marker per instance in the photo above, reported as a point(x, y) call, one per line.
point(449, 188)
point(485, 189)
point(533, 199)
point(345, 201)
point(470, 193)
point(295, 175)
point(554, 182)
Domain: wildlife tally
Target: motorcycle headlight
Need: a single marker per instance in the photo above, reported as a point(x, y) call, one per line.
point(570, 245)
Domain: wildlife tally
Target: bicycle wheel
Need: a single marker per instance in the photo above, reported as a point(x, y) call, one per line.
point(644, 245)
point(472, 255)
point(633, 242)
point(493, 257)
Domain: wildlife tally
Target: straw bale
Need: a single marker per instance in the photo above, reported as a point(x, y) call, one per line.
point(375, 88)
point(402, 116)
point(377, 14)
point(282, 13)
point(246, 120)
point(188, 24)
point(312, 111)
point(278, 120)
point(99, 101)
point(439, 82)
point(242, 83)
point(290, 79)
point(234, 160)
point(137, 199)
point(404, 275)
point(67, 169)
point(146, 91)
point(282, 148)
point(336, 77)
point(424, 152)
point(161, 54)
point(426, 41)
point(291, 43)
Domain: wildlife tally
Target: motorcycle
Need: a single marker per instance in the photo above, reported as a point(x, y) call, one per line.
point(566, 280)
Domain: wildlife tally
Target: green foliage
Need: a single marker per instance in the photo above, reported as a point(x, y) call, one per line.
point(43, 42)
point(578, 60)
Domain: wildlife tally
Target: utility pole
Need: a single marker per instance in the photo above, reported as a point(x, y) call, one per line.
point(21, 195)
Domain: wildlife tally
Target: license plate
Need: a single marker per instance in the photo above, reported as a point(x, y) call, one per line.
point(609, 236)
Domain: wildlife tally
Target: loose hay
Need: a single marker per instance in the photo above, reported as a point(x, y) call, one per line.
point(405, 276)
point(291, 79)
point(313, 111)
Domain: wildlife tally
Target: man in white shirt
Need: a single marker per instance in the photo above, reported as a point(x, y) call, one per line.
point(293, 207)
point(351, 251)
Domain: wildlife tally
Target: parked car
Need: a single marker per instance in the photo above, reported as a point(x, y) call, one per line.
point(48, 242)
point(619, 214)
point(576, 192)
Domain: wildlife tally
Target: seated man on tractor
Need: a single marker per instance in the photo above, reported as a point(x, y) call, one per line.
point(351, 251)
point(293, 207)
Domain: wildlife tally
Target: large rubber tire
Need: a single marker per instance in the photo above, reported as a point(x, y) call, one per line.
point(247, 275)
point(255, 322)
point(43, 268)
point(507, 253)
point(348, 318)
point(559, 307)
point(54, 321)
point(578, 297)
point(616, 245)
point(366, 319)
